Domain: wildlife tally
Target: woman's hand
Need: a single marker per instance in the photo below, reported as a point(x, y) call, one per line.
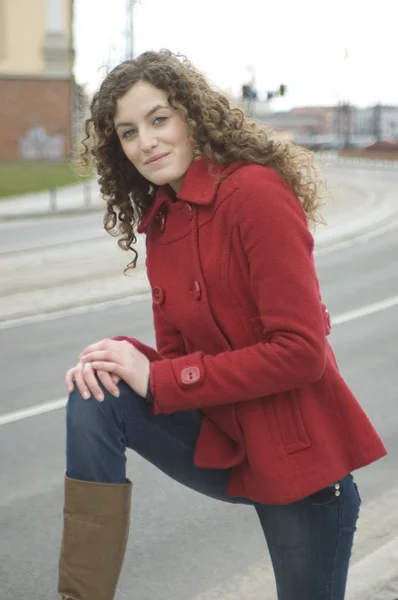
point(87, 381)
point(119, 358)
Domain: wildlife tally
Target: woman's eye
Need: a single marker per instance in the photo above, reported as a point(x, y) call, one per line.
point(159, 120)
point(126, 134)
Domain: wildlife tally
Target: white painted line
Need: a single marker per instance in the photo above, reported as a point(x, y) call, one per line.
point(370, 309)
point(338, 320)
point(39, 409)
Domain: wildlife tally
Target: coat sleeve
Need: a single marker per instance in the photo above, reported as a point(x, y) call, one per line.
point(275, 237)
point(169, 342)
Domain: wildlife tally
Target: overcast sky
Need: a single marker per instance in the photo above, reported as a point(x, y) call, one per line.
point(325, 52)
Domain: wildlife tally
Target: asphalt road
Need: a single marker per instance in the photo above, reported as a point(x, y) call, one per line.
point(39, 233)
point(184, 546)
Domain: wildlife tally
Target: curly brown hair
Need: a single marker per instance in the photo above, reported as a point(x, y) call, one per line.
point(218, 130)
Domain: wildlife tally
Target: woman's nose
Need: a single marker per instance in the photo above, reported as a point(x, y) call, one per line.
point(147, 142)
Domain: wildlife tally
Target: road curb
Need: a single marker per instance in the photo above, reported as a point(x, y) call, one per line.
point(50, 215)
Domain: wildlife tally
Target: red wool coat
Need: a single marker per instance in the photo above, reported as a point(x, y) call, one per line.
point(241, 334)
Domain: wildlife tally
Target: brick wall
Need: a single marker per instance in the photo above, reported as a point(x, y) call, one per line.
point(28, 102)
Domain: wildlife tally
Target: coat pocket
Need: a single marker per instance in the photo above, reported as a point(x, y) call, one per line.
point(289, 422)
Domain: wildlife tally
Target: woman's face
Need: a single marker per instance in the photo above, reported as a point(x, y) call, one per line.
point(154, 137)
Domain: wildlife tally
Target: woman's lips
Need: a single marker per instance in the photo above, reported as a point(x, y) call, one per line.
point(156, 158)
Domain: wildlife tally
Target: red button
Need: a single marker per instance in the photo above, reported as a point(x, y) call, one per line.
point(158, 295)
point(162, 223)
point(189, 211)
point(196, 289)
point(190, 375)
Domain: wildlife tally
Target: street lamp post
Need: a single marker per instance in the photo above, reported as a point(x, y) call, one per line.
point(130, 8)
point(130, 28)
point(346, 106)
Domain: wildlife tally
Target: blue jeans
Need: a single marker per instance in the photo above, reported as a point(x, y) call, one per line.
point(309, 541)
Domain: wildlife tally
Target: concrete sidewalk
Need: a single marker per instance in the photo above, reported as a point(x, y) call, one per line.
point(70, 199)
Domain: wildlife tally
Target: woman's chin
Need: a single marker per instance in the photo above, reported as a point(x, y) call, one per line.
point(160, 179)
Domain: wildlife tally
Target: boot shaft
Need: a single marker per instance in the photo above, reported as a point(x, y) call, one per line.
point(96, 527)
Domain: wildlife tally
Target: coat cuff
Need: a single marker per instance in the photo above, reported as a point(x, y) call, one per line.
point(172, 380)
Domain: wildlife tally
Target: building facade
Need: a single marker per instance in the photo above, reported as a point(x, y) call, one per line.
point(379, 121)
point(38, 94)
point(335, 126)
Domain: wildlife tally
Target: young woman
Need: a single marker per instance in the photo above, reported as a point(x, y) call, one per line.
point(242, 400)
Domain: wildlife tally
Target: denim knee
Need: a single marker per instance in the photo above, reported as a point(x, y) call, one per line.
point(95, 440)
point(88, 414)
point(87, 417)
point(80, 413)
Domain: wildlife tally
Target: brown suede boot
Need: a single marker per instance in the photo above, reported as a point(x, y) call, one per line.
point(96, 527)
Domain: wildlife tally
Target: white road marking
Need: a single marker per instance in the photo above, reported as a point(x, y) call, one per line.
point(346, 317)
point(364, 311)
point(32, 411)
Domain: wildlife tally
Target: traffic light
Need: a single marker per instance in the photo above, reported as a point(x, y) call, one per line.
point(281, 91)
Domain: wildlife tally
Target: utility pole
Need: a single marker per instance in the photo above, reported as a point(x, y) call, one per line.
point(130, 28)
point(249, 92)
point(377, 122)
point(346, 107)
point(347, 124)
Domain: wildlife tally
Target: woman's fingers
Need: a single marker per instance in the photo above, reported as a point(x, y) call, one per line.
point(115, 378)
point(101, 345)
point(92, 382)
point(69, 378)
point(100, 355)
point(87, 382)
point(80, 382)
point(107, 381)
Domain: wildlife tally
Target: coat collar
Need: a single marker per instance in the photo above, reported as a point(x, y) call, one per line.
point(199, 186)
